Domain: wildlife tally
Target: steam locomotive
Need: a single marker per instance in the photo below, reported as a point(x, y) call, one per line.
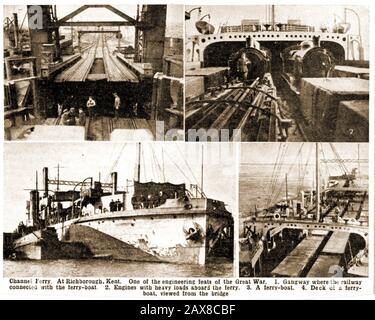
point(259, 62)
point(306, 60)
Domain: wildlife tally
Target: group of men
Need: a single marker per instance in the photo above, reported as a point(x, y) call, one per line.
point(149, 201)
point(115, 205)
point(91, 104)
point(72, 117)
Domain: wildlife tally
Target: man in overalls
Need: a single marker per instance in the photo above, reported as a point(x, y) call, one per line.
point(243, 66)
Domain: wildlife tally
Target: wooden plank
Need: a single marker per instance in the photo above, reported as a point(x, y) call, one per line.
point(194, 87)
point(322, 266)
point(205, 71)
point(337, 243)
point(294, 264)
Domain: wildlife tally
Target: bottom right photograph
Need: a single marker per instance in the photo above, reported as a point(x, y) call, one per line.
point(303, 210)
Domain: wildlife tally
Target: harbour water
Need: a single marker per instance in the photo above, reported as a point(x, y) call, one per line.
point(255, 182)
point(111, 268)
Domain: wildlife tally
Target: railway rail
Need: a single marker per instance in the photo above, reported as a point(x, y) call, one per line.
point(250, 113)
point(114, 69)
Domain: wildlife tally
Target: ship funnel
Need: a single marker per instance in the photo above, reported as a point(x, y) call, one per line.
point(34, 205)
point(114, 182)
point(45, 181)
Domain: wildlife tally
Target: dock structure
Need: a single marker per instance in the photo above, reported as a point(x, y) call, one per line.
point(63, 69)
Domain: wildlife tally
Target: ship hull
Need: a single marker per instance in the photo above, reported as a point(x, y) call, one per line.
point(38, 245)
point(150, 235)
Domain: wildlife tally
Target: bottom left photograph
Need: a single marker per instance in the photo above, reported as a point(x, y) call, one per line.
point(119, 209)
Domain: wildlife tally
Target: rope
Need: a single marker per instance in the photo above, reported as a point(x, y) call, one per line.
point(337, 155)
point(187, 164)
point(176, 165)
point(326, 166)
point(278, 171)
point(157, 164)
point(270, 187)
point(115, 162)
point(305, 169)
point(144, 165)
point(288, 172)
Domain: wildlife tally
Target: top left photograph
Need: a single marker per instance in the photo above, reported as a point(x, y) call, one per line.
point(93, 72)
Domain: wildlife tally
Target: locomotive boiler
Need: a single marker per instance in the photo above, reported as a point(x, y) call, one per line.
point(306, 60)
point(258, 62)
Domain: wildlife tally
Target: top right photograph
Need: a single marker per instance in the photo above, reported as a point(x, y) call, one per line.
point(277, 73)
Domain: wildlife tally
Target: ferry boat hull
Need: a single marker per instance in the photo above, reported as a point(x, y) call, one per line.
point(156, 234)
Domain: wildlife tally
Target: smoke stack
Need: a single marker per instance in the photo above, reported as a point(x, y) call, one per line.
point(34, 206)
point(45, 181)
point(16, 31)
point(114, 182)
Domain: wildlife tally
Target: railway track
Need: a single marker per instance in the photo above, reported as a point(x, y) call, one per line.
point(79, 71)
point(98, 129)
point(114, 69)
point(249, 113)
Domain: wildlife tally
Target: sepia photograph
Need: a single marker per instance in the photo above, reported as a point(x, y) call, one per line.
point(187, 152)
point(125, 210)
point(93, 72)
point(304, 210)
point(293, 73)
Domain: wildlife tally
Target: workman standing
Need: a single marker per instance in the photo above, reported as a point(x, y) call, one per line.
point(243, 66)
point(90, 106)
point(117, 104)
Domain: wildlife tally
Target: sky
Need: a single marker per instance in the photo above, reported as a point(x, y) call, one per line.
point(182, 164)
point(267, 153)
point(174, 15)
point(313, 15)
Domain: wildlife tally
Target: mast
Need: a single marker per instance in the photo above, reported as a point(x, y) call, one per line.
point(202, 173)
point(139, 162)
point(286, 188)
point(317, 182)
point(58, 176)
point(162, 160)
point(359, 165)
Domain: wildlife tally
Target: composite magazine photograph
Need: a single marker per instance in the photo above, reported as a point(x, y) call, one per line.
point(187, 151)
